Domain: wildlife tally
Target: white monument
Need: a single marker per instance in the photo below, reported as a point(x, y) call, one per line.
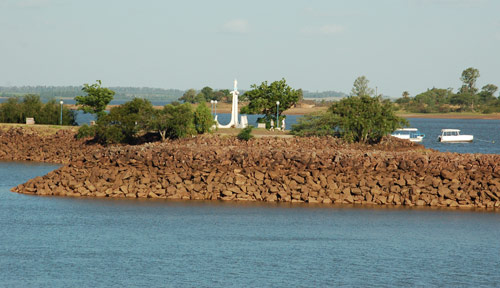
point(234, 112)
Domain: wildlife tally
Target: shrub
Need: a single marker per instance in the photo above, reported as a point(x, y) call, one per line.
point(316, 124)
point(111, 134)
point(123, 122)
point(180, 121)
point(365, 119)
point(203, 121)
point(85, 131)
point(246, 133)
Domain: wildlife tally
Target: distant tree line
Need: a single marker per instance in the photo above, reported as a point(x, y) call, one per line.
point(205, 95)
point(192, 95)
point(48, 92)
point(324, 94)
point(17, 109)
point(467, 99)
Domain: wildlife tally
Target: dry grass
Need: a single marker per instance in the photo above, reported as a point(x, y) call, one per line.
point(40, 129)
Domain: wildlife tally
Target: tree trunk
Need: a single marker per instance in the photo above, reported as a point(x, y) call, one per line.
point(162, 134)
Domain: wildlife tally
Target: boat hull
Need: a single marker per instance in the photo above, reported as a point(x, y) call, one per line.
point(456, 139)
point(412, 139)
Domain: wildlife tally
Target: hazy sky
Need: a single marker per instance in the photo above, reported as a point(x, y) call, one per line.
point(315, 45)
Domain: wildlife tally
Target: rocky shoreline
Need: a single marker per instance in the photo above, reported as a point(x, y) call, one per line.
point(296, 170)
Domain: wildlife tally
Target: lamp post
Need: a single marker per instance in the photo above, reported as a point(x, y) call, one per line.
point(215, 107)
point(212, 107)
point(277, 113)
point(61, 102)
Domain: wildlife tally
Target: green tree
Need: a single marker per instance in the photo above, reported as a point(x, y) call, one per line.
point(404, 100)
point(180, 120)
point(189, 96)
point(263, 99)
point(301, 95)
point(69, 116)
point(96, 100)
point(124, 122)
point(490, 89)
point(173, 121)
point(221, 95)
point(225, 96)
point(200, 97)
point(469, 78)
point(365, 119)
point(432, 100)
point(360, 87)
point(11, 111)
point(316, 124)
point(50, 113)
point(208, 93)
point(362, 119)
point(245, 134)
point(159, 122)
point(487, 93)
point(203, 121)
point(31, 106)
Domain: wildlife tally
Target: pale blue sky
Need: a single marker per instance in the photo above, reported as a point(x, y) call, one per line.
point(315, 45)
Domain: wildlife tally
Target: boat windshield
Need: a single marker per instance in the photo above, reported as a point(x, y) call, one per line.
point(450, 133)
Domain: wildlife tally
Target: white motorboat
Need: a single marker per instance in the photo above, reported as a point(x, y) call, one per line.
point(411, 134)
point(454, 136)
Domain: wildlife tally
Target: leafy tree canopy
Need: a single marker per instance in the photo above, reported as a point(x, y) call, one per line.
point(189, 96)
point(203, 121)
point(96, 100)
point(123, 122)
point(262, 98)
point(361, 118)
point(205, 95)
point(360, 87)
point(469, 78)
point(365, 119)
point(180, 120)
point(316, 124)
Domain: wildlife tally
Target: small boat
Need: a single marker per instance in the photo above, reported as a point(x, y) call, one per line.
point(454, 136)
point(411, 134)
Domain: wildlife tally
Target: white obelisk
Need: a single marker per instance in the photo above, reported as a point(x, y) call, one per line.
point(234, 108)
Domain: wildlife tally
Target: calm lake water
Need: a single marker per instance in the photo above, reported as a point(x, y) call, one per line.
point(69, 242)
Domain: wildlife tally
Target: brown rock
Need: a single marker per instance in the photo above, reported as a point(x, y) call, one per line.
point(446, 174)
point(420, 203)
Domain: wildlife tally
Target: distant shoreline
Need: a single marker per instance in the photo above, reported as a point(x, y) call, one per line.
point(303, 110)
point(492, 116)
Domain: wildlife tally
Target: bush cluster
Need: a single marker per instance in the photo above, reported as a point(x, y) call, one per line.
point(16, 110)
point(246, 133)
point(128, 122)
point(362, 119)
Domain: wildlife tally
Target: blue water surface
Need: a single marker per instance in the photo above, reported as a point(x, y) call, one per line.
point(77, 242)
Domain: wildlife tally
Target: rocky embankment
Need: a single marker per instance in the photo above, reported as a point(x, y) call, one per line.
point(313, 170)
point(26, 144)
